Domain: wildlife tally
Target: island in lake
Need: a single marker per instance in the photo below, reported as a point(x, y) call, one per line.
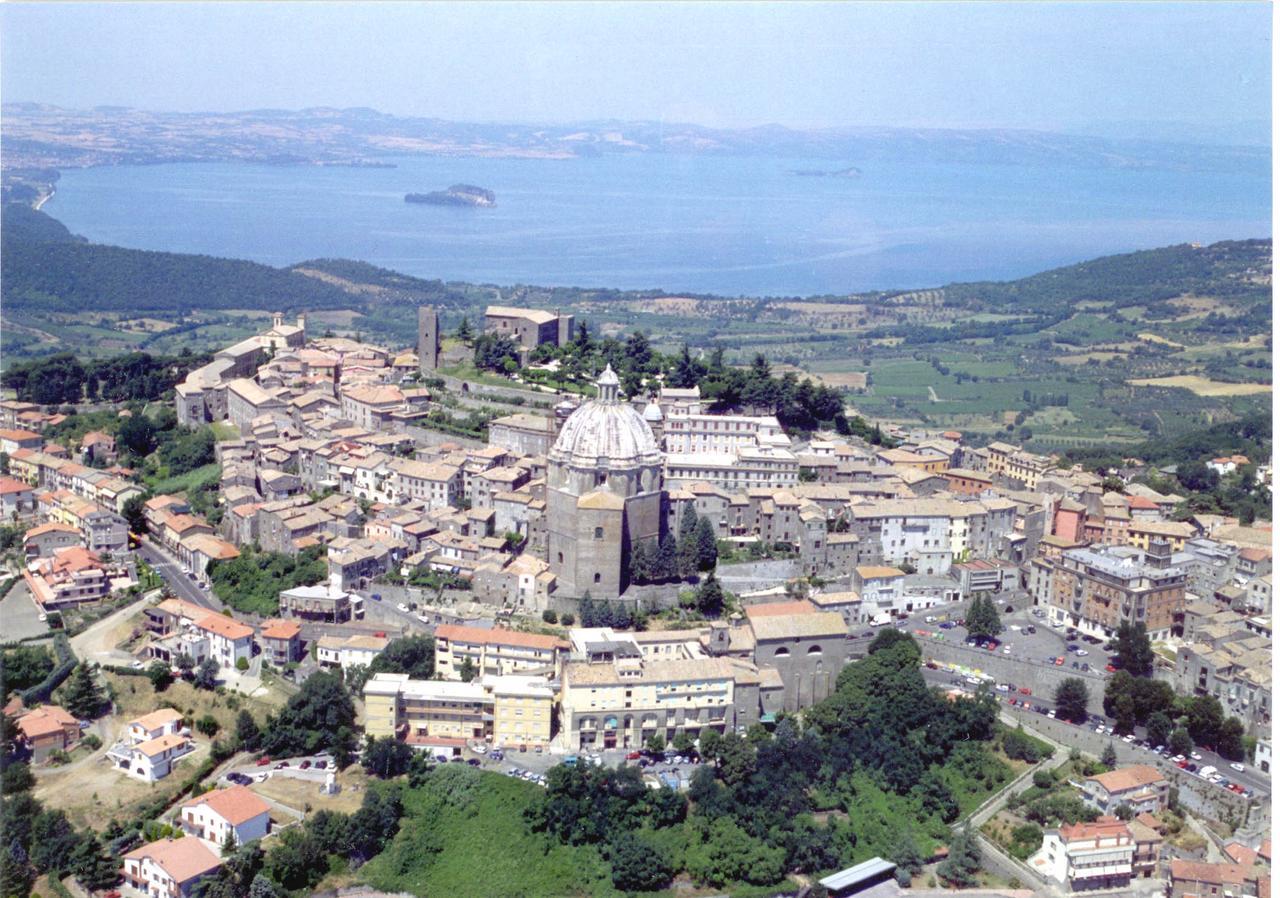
point(457, 195)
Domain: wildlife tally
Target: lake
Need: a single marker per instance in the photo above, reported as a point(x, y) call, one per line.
point(706, 224)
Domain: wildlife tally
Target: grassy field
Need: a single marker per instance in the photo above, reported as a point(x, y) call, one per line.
point(205, 474)
point(453, 848)
point(1203, 386)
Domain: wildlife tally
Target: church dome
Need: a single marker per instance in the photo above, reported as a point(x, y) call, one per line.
point(605, 434)
point(653, 412)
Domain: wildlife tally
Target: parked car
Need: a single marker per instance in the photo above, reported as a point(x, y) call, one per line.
point(474, 762)
point(264, 761)
point(1196, 756)
point(305, 765)
point(1239, 768)
point(1031, 628)
point(1059, 660)
point(321, 764)
point(634, 756)
point(1025, 690)
point(282, 765)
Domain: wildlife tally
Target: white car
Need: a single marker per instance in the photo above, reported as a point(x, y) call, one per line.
point(1195, 756)
point(1129, 738)
point(1082, 652)
point(930, 619)
point(402, 607)
point(1238, 768)
point(1006, 651)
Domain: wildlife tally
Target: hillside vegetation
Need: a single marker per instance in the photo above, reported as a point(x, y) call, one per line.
point(1099, 355)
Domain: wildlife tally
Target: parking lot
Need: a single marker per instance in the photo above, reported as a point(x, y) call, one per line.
point(20, 614)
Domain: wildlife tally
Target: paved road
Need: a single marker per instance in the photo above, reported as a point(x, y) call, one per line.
point(179, 583)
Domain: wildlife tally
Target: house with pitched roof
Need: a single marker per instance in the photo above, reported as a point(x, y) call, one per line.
point(236, 812)
point(47, 729)
point(1141, 786)
point(169, 868)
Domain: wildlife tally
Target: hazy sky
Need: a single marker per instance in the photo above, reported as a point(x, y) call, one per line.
point(1038, 65)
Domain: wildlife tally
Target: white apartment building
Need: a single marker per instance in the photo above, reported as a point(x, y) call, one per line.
point(747, 468)
point(721, 433)
point(229, 640)
point(350, 651)
point(1088, 856)
point(438, 485)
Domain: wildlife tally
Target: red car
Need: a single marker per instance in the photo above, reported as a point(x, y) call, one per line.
point(1183, 764)
point(1059, 661)
point(1025, 690)
point(1111, 668)
point(634, 756)
point(263, 761)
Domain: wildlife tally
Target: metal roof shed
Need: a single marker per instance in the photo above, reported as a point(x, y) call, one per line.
point(846, 882)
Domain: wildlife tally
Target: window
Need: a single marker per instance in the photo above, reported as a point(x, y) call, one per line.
point(782, 652)
point(599, 533)
point(560, 557)
point(597, 578)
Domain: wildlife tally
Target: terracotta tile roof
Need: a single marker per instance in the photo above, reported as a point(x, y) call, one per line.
point(182, 859)
point(157, 718)
point(1242, 854)
point(1194, 871)
point(481, 636)
point(280, 629)
point(161, 744)
point(1126, 778)
point(45, 721)
point(235, 805)
point(224, 626)
point(50, 527)
point(10, 485)
point(1103, 828)
point(769, 609)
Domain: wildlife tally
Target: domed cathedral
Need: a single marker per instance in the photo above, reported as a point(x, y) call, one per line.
point(604, 492)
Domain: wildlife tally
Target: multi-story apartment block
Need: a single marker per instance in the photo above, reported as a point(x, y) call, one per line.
point(623, 701)
point(697, 433)
point(1087, 856)
point(748, 468)
point(496, 652)
point(1095, 590)
point(1142, 787)
point(435, 485)
point(446, 714)
point(1235, 667)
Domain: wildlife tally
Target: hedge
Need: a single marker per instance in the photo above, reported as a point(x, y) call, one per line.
point(66, 663)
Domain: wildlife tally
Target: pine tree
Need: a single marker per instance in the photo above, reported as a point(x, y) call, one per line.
point(83, 697)
point(1109, 756)
point(664, 565)
point(464, 332)
point(710, 596)
point(964, 860)
point(687, 548)
point(247, 733)
point(705, 540)
point(641, 562)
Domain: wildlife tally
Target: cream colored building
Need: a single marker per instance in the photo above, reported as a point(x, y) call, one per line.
point(620, 703)
point(501, 710)
point(495, 652)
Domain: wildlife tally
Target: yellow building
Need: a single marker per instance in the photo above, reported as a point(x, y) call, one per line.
point(505, 710)
point(523, 708)
point(1176, 533)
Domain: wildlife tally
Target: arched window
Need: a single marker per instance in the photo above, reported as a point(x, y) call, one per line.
point(782, 652)
point(597, 578)
point(815, 650)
